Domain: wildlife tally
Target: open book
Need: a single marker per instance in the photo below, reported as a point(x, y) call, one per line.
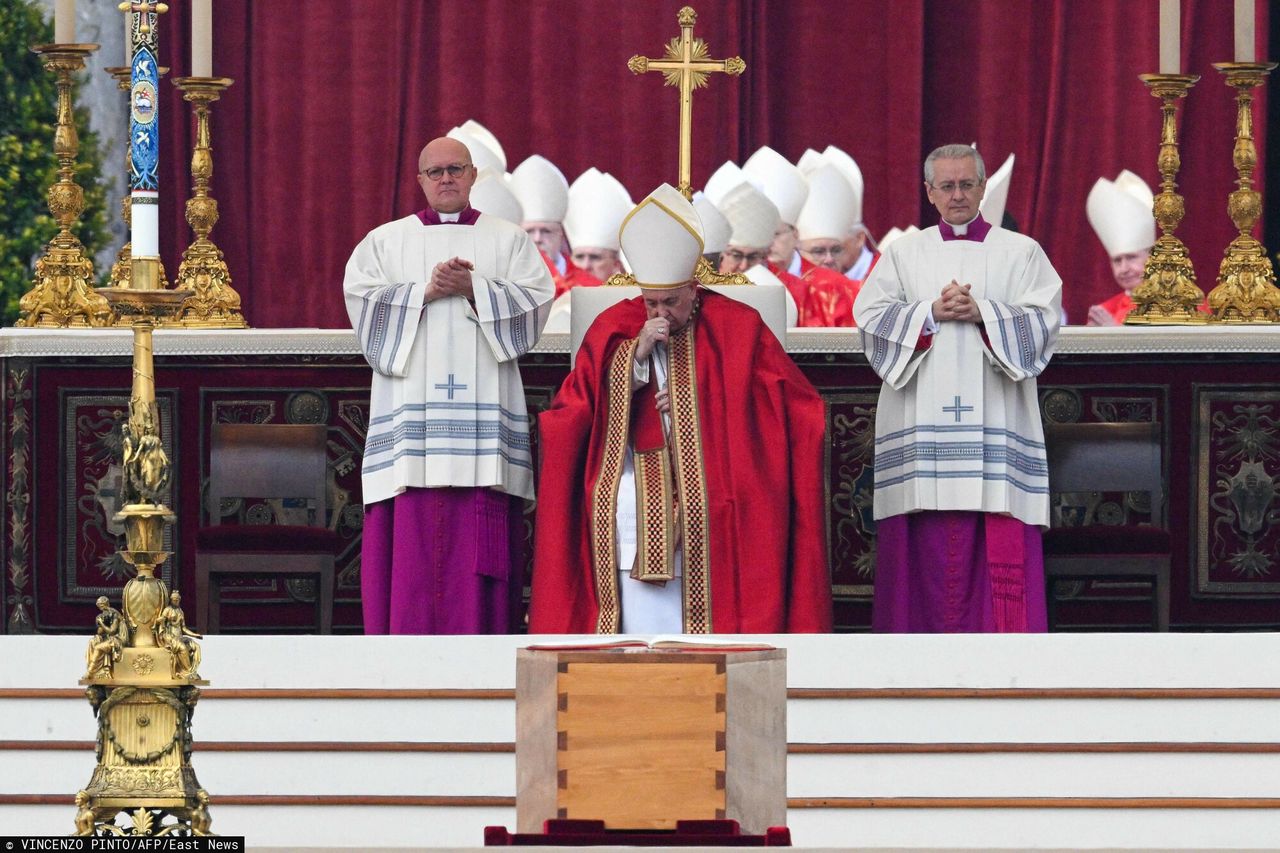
point(658, 642)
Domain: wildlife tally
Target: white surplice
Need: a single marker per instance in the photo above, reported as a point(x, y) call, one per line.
point(447, 405)
point(958, 423)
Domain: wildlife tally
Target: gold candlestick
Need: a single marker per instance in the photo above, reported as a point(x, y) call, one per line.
point(1168, 294)
point(1246, 291)
point(62, 293)
point(122, 269)
point(214, 304)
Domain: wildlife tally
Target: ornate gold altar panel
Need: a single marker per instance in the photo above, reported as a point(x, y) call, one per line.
point(643, 738)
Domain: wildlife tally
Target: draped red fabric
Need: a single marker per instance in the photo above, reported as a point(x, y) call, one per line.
point(316, 142)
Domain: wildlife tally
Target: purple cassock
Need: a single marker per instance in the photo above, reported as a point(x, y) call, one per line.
point(441, 560)
point(958, 571)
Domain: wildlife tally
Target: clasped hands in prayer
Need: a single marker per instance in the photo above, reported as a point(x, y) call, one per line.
point(955, 303)
point(654, 331)
point(450, 278)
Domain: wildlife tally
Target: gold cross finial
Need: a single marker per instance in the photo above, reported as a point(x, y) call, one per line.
point(686, 64)
point(144, 6)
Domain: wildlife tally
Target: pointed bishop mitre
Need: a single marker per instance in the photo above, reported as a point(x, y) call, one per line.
point(810, 161)
point(752, 217)
point(482, 156)
point(541, 189)
point(849, 168)
point(997, 194)
point(597, 205)
point(828, 211)
point(715, 227)
point(722, 180)
point(486, 138)
point(662, 238)
point(1120, 213)
point(490, 195)
point(895, 233)
point(779, 180)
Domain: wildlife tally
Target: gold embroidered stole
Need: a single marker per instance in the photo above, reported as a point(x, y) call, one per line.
point(658, 475)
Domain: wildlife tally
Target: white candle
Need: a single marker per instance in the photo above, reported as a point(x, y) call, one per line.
point(64, 22)
point(1170, 35)
point(1245, 23)
point(128, 39)
point(201, 38)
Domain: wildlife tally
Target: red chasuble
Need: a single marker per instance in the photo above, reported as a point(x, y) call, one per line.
point(829, 297)
point(1119, 306)
point(747, 447)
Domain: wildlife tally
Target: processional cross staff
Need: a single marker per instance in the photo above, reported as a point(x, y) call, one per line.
point(143, 8)
point(686, 64)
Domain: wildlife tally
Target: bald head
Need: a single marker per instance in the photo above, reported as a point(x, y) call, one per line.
point(446, 175)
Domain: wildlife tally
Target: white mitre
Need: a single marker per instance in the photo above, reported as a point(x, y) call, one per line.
point(1120, 213)
point(482, 156)
point(490, 195)
point(828, 211)
point(541, 189)
point(810, 161)
point(597, 205)
point(752, 217)
point(759, 275)
point(997, 194)
point(486, 137)
point(663, 239)
point(893, 234)
point(722, 180)
point(849, 168)
point(715, 227)
point(778, 179)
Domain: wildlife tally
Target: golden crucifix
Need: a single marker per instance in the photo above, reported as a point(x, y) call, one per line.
point(686, 65)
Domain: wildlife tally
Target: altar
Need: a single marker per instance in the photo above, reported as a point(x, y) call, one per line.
point(1213, 390)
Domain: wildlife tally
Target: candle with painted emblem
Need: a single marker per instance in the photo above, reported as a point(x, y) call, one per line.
point(201, 38)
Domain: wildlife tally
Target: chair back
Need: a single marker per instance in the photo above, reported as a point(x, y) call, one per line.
point(1106, 457)
point(269, 461)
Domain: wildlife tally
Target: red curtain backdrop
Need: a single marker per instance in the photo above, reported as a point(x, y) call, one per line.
point(317, 140)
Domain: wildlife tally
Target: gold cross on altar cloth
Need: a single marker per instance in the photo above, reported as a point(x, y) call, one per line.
point(686, 65)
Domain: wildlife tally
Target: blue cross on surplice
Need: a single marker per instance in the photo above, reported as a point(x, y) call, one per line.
point(955, 408)
point(452, 386)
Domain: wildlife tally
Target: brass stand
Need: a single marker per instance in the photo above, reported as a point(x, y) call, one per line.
point(122, 269)
point(142, 666)
point(214, 304)
point(1246, 291)
point(1168, 294)
point(62, 293)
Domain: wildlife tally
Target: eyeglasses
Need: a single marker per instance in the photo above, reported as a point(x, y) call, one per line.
point(455, 170)
point(824, 251)
point(750, 258)
point(949, 187)
point(590, 257)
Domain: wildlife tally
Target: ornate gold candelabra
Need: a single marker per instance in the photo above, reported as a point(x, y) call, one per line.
point(1168, 294)
point(142, 665)
point(62, 293)
point(122, 269)
point(1246, 290)
point(214, 304)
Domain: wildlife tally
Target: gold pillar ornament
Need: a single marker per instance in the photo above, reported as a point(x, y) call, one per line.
point(1246, 291)
point(1168, 294)
point(214, 304)
point(142, 665)
point(62, 292)
point(122, 269)
point(686, 65)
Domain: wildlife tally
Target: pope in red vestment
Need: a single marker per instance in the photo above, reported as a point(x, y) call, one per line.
point(729, 474)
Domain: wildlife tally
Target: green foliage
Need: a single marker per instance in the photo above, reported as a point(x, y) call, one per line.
point(28, 118)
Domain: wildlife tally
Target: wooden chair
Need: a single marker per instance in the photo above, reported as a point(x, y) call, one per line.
point(1109, 457)
point(266, 461)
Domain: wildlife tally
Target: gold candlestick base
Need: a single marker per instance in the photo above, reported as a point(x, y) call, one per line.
point(1246, 291)
point(214, 304)
point(62, 292)
point(1168, 294)
point(122, 269)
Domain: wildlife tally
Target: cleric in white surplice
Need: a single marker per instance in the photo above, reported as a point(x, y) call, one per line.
point(958, 320)
point(443, 302)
